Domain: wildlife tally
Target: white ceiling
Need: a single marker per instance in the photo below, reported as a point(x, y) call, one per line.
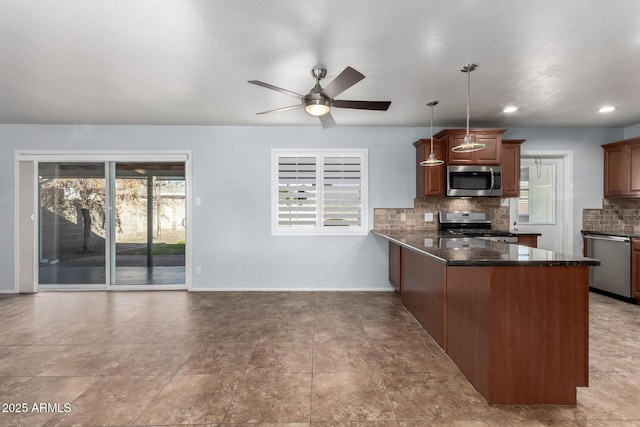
point(187, 62)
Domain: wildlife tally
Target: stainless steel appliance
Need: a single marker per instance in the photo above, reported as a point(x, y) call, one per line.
point(472, 224)
point(463, 243)
point(474, 181)
point(613, 275)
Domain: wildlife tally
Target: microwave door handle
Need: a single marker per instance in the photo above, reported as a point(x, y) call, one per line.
point(493, 180)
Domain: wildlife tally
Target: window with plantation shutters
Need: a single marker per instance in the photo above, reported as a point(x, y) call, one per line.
point(297, 191)
point(316, 192)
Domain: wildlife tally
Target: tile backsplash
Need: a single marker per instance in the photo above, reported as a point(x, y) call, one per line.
point(616, 214)
point(391, 219)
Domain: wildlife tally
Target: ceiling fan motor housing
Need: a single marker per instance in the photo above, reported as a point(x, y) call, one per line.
point(319, 73)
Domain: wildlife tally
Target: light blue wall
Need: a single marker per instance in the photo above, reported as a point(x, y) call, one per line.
point(631, 132)
point(231, 172)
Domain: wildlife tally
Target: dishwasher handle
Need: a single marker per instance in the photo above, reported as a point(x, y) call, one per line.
point(608, 238)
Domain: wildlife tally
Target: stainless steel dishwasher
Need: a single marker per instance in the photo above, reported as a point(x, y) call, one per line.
point(614, 272)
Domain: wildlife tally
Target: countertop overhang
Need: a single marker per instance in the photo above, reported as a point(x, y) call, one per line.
point(494, 254)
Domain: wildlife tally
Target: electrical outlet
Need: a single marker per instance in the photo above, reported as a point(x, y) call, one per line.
point(198, 269)
point(403, 216)
point(428, 217)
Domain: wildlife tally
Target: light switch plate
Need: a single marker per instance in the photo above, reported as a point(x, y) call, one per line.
point(403, 216)
point(428, 217)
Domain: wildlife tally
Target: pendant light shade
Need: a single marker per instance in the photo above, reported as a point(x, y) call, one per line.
point(431, 160)
point(469, 143)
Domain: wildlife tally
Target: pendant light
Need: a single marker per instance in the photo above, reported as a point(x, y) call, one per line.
point(431, 161)
point(468, 144)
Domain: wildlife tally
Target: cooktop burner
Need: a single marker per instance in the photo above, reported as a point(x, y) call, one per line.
point(470, 224)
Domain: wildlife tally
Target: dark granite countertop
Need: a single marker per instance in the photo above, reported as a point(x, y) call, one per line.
point(620, 233)
point(525, 233)
point(477, 252)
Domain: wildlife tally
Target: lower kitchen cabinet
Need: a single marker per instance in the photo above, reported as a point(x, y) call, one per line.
point(635, 268)
point(395, 266)
point(530, 240)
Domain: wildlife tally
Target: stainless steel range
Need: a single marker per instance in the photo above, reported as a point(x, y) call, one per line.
point(472, 224)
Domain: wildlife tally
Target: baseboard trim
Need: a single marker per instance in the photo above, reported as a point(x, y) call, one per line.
point(281, 289)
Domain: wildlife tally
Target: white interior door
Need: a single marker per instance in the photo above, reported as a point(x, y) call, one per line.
point(544, 205)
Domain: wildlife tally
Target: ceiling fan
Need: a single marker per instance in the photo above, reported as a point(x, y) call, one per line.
point(318, 101)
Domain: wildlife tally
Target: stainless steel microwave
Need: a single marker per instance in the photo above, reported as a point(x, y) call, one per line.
point(474, 181)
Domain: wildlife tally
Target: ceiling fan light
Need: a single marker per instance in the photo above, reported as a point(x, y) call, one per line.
point(317, 107)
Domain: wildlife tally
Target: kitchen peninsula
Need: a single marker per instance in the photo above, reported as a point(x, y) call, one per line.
point(514, 319)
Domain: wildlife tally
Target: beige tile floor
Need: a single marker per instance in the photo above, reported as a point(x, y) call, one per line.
point(272, 359)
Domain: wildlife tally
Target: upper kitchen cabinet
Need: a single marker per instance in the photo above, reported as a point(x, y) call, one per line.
point(430, 180)
point(622, 168)
point(490, 155)
point(511, 167)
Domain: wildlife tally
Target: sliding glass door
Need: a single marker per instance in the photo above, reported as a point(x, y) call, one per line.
point(149, 224)
point(112, 223)
point(72, 223)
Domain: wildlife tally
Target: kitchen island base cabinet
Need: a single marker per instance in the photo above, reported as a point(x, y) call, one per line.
point(515, 322)
point(520, 334)
point(423, 292)
point(395, 263)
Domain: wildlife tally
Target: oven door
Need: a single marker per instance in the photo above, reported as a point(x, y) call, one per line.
point(474, 181)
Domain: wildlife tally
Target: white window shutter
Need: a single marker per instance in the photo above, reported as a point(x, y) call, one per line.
point(342, 187)
point(319, 192)
point(297, 195)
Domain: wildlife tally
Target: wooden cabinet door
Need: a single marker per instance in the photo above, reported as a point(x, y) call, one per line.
point(455, 158)
point(511, 167)
point(616, 179)
point(430, 180)
point(635, 268)
point(395, 266)
point(634, 169)
point(490, 155)
point(530, 240)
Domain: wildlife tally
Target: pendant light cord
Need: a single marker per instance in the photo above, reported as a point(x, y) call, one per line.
point(468, 100)
point(432, 104)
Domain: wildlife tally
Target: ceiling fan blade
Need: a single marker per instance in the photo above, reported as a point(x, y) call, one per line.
point(279, 89)
point(292, 107)
point(347, 78)
point(362, 105)
point(327, 121)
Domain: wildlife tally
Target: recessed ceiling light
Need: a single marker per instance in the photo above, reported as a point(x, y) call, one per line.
point(510, 109)
point(606, 109)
